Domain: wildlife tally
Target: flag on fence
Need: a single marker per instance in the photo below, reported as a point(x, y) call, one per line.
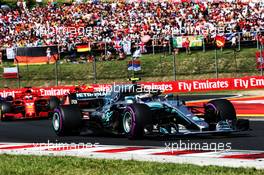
point(194, 41)
point(259, 60)
point(10, 53)
point(137, 53)
point(142, 47)
point(127, 47)
point(36, 55)
point(83, 47)
point(229, 36)
point(134, 65)
point(186, 43)
point(10, 72)
point(117, 45)
point(220, 41)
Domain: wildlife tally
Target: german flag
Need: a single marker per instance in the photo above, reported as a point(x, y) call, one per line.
point(83, 48)
point(36, 55)
point(220, 41)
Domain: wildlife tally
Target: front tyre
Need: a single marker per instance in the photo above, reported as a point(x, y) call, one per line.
point(6, 107)
point(135, 118)
point(66, 120)
point(220, 110)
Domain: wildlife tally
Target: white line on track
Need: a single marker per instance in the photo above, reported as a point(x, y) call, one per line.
point(208, 99)
point(261, 119)
point(201, 161)
point(235, 158)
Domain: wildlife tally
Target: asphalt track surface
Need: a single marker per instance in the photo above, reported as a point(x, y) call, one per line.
point(40, 131)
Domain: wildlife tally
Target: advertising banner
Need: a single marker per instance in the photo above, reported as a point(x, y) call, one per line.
point(245, 83)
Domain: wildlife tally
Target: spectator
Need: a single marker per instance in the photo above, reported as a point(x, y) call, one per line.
point(234, 42)
point(122, 55)
point(261, 41)
point(187, 45)
point(48, 54)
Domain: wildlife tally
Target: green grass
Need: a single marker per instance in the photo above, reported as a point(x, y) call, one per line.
point(36, 165)
point(198, 65)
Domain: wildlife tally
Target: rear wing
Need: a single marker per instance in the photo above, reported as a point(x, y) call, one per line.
point(89, 95)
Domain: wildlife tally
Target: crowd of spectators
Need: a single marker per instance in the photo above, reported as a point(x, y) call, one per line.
point(99, 22)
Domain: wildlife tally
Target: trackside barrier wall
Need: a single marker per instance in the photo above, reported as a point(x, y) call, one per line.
point(245, 83)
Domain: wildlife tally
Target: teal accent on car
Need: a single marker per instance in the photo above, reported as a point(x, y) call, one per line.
point(155, 105)
point(106, 117)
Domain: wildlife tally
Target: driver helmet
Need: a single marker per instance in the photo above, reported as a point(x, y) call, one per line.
point(28, 95)
point(145, 97)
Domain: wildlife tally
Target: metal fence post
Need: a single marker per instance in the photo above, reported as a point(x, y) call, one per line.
point(239, 43)
point(234, 52)
point(56, 73)
point(216, 63)
point(105, 48)
point(261, 60)
point(133, 67)
point(257, 40)
point(18, 71)
point(203, 45)
point(94, 69)
point(169, 48)
point(153, 46)
point(174, 65)
point(160, 64)
point(56, 67)
point(28, 74)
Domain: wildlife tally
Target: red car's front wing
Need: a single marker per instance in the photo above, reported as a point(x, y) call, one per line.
point(43, 114)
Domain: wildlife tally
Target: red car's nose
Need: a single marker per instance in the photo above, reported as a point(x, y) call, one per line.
point(30, 109)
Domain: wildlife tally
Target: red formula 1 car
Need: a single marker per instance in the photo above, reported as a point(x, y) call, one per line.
point(28, 104)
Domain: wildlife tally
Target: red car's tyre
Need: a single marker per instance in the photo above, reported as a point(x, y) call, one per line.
point(66, 120)
point(135, 118)
point(6, 107)
point(220, 110)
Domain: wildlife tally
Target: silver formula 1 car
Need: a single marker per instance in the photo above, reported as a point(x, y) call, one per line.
point(134, 112)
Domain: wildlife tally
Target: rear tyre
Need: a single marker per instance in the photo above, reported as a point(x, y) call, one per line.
point(67, 120)
point(135, 118)
point(220, 110)
point(5, 108)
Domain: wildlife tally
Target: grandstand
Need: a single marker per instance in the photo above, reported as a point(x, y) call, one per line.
point(107, 30)
point(97, 21)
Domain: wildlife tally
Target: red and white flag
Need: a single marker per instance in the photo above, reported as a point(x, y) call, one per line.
point(220, 41)
point(142, 47)
point(117, 45)
point(10, 72)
